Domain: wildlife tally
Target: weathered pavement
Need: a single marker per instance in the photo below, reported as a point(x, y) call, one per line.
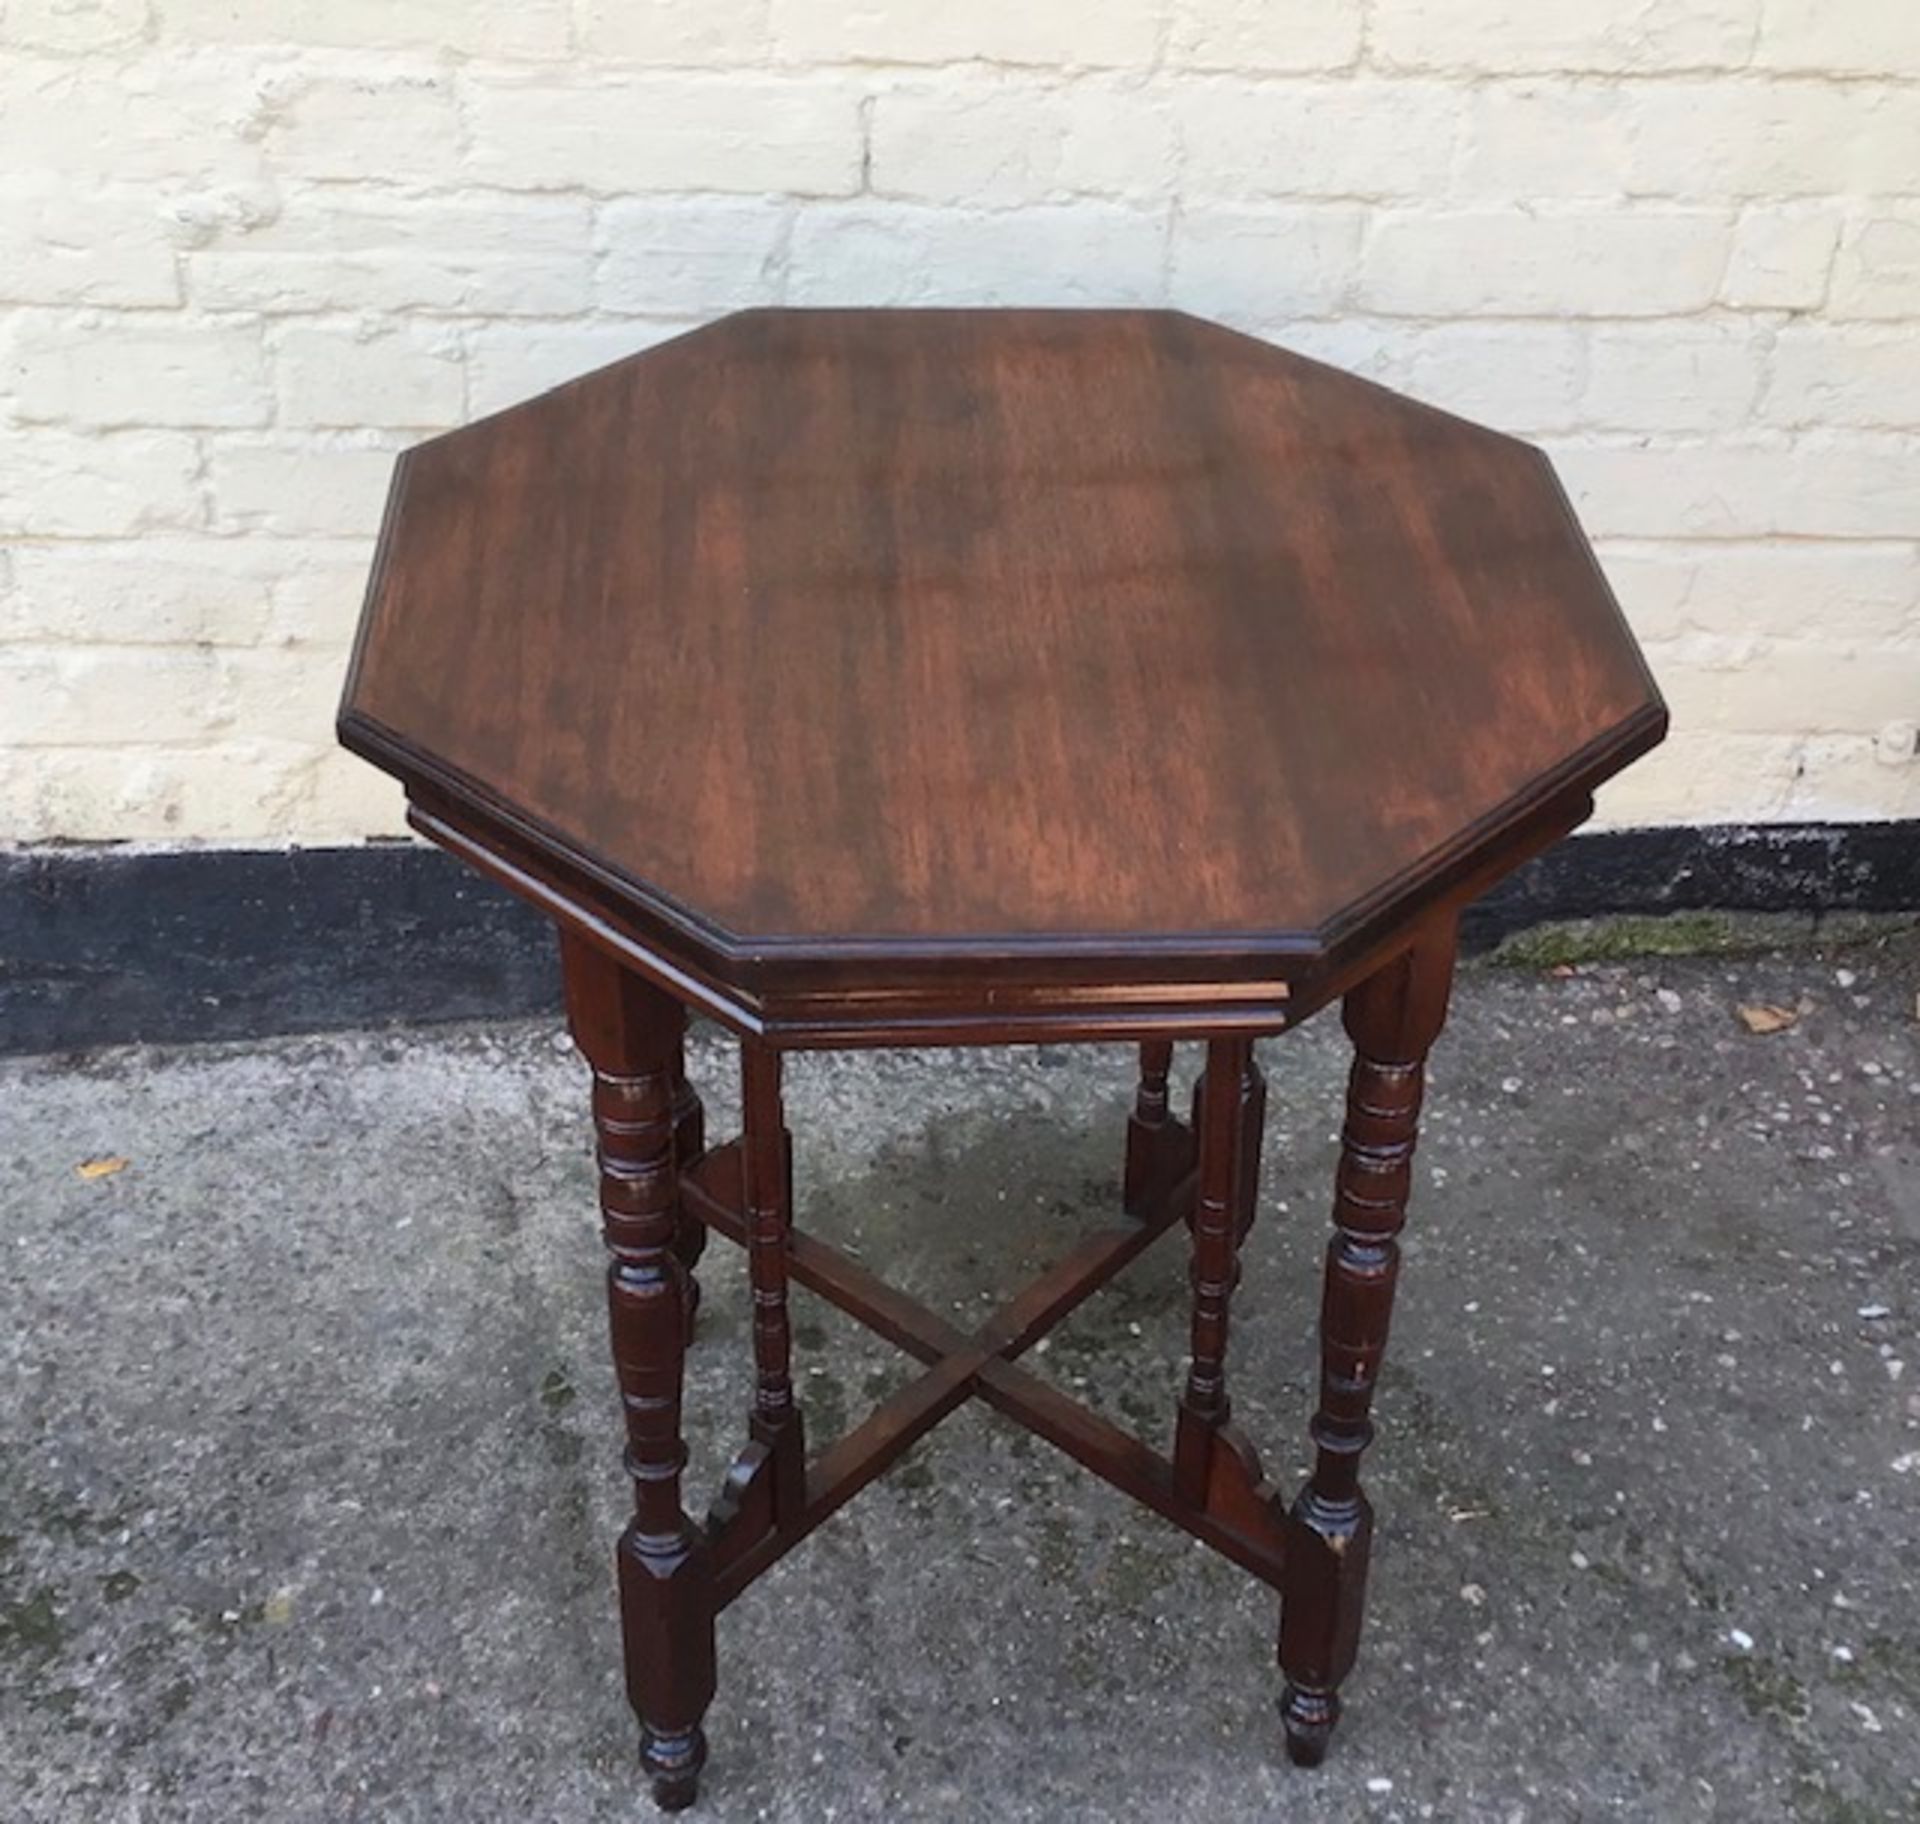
point(308, 1475)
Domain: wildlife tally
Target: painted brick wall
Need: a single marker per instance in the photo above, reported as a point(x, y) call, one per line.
point(250, 247)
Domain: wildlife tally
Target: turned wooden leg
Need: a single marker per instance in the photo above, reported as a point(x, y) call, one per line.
point(1212, 1465)
point(1393, 1018)
point(1150, 1131)
point(768, 1169)
point(630, 1032)
point(689, 1142)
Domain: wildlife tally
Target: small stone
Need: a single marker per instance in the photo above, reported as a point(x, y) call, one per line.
point(1741, 1639)
point(1871, 1313)
point(1868, 1721)
point(1580, 1561)
point(1844, 1655)
point(1903, 1465)
point(1669, 1000)
point(1473, 1595)
point(1511, 1085)
point(1380, 1784)
point(1845, 977)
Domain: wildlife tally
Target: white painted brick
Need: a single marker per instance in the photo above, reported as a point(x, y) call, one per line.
point(1854, 376)
point(873, 253)
point(1842, 590)
point(316, 590)
point(1265, 34)
point(107, 696)
point(126, 121)
point(288, 693)
point(1302, 138)
point(1770, 139)
point(1687, 139)
point(693, 256)
point(1853, 487)
point(1825, 37)
point(798, 135)
point(60, 246)
point(299, 488)
point(1367, 346)
point(1519, 377)
point(113, 371)
point(1675, 376)
point(403, 128)
point(1653, 584)
point(221, 793)
point(344, 248)
point(690, 32)
point(1523, 35)
point(57, 485)
point(1528, 141)
point(1782, 256)
point(1020, 141)
point(1792, 688)
point(1062, 32)
point(1578, 263)
point(395, 200)
point(1254, 267)
point(525, 28)
point(1846, 776)
point(1525, 378)
point(73, 25)
point(157, 591)
point(1703, 776)
point(347, 800)
point(343, 375)
point(1876, 272)
point(512, 362)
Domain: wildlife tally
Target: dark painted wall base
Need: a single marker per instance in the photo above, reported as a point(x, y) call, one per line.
point(101, 947)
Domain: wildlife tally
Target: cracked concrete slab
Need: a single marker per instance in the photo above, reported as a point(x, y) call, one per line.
point(308, 1476)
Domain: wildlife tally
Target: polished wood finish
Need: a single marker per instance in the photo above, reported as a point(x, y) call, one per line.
point(630, 1034)
point(1076, 633)
point(1158, 1148)
point(1393, 1017)
point(767, 1487)
point(900, 678)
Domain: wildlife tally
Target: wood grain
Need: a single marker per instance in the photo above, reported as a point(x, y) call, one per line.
point(969, 638)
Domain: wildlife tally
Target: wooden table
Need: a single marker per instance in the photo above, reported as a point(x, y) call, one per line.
point(865, 678)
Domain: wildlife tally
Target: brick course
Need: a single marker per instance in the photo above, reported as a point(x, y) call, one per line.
point(247, 250)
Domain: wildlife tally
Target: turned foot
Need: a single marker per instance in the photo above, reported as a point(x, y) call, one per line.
point(1392, 1017)
point(1309, 1717)
point(673, 1762)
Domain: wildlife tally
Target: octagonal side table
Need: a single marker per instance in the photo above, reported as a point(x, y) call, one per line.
point(963, 677)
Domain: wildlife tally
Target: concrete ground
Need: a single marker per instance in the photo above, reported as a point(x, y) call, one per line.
point(308, 1475)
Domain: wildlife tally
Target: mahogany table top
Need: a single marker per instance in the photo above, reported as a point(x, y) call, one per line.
point(963, 656)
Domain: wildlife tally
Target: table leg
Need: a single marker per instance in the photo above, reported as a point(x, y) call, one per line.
point(767, 1184)
point(1149, 1129)
point(1392, 1018)
point(1229, 1159)
point(630, 1033)
point(689, 1142)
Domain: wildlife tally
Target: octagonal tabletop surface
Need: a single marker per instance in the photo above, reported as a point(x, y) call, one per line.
point(943, 632)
